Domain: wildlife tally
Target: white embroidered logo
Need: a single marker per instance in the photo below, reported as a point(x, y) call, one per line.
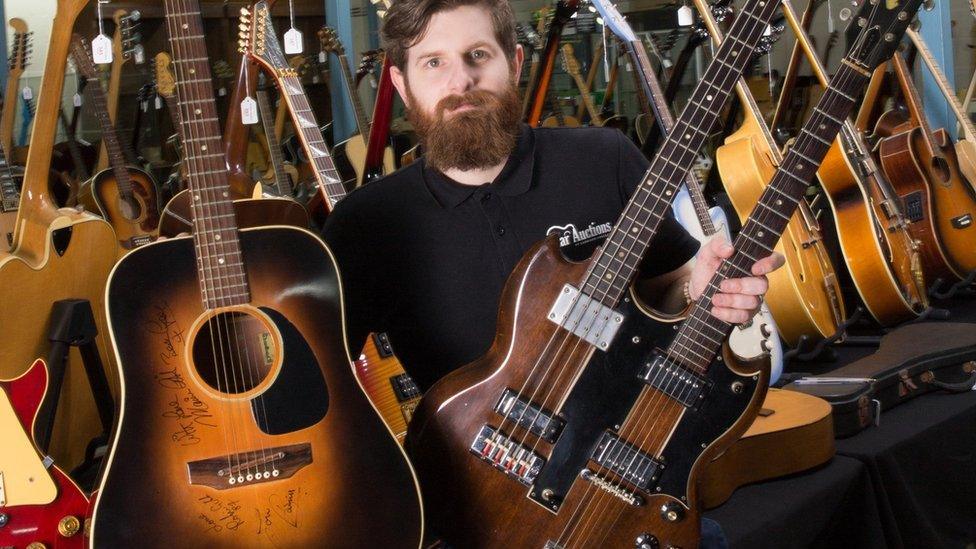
point(570, 236)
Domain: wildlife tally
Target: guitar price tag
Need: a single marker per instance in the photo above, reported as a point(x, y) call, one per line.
point(27, 93)
point(686, 17)
point(249, 111)
point(222, 91)
point(101, 49)
point(293, 41)
point(76, 100)
point(323, 57)
point(159, 103)
point(139, 54)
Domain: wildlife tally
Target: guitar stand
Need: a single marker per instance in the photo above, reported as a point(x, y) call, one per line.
point(963, 288)
point(73, 325)
point(806, 351)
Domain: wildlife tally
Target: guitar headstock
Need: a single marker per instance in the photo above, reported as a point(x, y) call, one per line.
point(570, 63)
point(257, 39)
point(564, 11)
point(82, 59)
point(368, 62)
point(163, 73)
point(127, 42)
point(721, 11)
point(875, 32)
point(329, 41)
point(770, 37)
point(382, 6)
point(614, 21)
point(527, 36)
point(21, 48)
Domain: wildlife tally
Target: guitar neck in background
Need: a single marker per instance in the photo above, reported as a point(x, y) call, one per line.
point(362, 124)
point(282, 181)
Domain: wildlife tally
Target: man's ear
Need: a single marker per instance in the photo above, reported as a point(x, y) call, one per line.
point(519, 59)
point(400, 83)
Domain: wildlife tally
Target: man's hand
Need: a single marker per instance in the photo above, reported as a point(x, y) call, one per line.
point(738, 299)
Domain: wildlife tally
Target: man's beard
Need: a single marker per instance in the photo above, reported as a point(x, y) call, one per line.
point(477, 138)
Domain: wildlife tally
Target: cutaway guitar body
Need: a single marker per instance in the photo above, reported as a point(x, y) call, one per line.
point(244, 426)
point(570, 498)
point(134, 219)
point(250, 212)
point(42, 506)
point(801, 296)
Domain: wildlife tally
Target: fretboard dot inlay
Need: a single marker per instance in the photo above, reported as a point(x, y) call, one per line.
point(197, 112)
point(203, 148)
point(759, 234)
point(608, 276)
point(225, 195)
point(196, 197)
point(216, 237)
point(708, 97)
point(185, 26)
point(634, 230)
point(220, 260)
point(823, 126)
point(192, 70)
point(779, 202)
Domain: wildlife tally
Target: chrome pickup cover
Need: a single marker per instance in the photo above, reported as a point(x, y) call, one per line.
point(627, 461)
point(528, 415)
point(585, 317)
point(676, 381)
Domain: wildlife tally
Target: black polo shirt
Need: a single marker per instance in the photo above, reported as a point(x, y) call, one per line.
point(424, 258)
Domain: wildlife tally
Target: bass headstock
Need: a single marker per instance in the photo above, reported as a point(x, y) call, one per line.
point(127, 42)
point(875, 32)
point(329, 41)
point(80, 49)
point(258, 40)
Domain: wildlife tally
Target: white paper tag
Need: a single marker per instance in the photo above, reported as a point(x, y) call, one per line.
point(293, 41)
point(27, 93)
point(535, 57)
point(222, 91)
point(667, 63)
point(686, 17)
point(76, 100)
point(101, 49)
point(323, 57)
point(139, 54)
point(159, 103)
point(249, 111)
point(144, 105)
point(372, 82)
point(629, 67)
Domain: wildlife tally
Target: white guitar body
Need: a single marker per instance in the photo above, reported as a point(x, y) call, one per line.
point(759, 336)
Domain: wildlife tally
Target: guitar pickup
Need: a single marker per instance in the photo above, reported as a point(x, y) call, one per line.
point(585, 317)
point(676, 381)
point(404, 387)
point(962, 221)
point(627, 461)
point(531, 417)
point(507, 455)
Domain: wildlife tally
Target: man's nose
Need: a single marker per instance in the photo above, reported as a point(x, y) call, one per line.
point(462, 77)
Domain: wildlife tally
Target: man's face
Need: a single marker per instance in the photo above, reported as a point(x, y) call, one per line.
point(458, 83)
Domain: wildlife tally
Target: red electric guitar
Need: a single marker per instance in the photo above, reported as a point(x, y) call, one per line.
point(39, 505)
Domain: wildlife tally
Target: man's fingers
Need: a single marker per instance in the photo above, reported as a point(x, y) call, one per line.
point(752, 285)
point(732, 316)
point(736, 301)
point(768, 264)
point(720, 247)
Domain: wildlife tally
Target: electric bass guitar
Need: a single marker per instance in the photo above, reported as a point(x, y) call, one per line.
point(758, 336)
point(40, 505)
point(237, 378)
point(558, 436)
point(125, 196)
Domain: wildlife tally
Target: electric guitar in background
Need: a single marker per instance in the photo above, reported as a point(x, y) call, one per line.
point(40, 505)
point(124, 195)
point(59, 253)
point(126, 47)
point(281, 454)
point(881, 255)
point(759, 336)
point(572, 67)
point(282, 176)
point(804, 295)
point(19, 55)
point(538, 88)
point(590, 76)
point(558, 436)
point(391, 390)
point(355, 146)
point(532, 43)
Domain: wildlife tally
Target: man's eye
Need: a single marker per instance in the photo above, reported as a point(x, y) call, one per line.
point(433, 62)
point(479, 54)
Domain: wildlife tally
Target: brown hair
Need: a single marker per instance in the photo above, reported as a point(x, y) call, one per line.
point(407, 20)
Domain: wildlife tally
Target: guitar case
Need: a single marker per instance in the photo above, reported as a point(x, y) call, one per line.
point(911, 360)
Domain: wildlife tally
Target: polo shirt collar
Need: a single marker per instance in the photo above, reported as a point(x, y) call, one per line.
point(514, 179)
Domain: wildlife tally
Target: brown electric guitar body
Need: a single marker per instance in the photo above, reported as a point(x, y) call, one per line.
point(937, 201)
point(804, 296)
point(336, 478)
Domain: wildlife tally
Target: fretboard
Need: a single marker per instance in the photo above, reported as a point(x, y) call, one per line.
point(328, 178)
point(662, 113)
point(110, 137)
point(701, 336)
point(362, 124)
point(611, 270)
point(282, 181)
point(219, 261)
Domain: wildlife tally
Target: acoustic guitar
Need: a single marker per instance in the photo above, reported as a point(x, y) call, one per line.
point(804, 296)
point(125, 196)
point(242, 424)
point(20, 50)
point(558, 436)
point(40, 505)
point(125, 47)
point(58, 254)
point(354, 147)
point(923, 168)
point(882, 257)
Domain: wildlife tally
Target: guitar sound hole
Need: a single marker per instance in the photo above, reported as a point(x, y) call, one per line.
point(234, 352)
point(130, 207)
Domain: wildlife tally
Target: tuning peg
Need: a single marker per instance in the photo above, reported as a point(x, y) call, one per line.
point(245, 11)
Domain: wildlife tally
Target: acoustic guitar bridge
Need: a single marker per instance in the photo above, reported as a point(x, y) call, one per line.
point(250, 467)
